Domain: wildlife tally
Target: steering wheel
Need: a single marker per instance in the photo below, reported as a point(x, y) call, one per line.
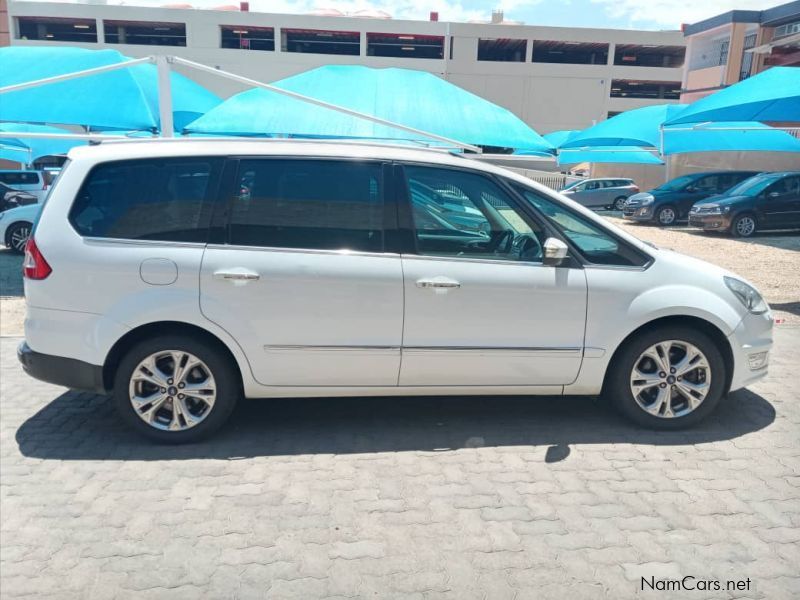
point(498, 239)
point(529, 248)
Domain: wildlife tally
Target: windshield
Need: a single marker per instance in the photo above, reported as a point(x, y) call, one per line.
point(751, 187)
point(678, 184)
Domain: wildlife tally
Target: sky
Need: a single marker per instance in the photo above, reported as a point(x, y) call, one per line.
point(623, 14)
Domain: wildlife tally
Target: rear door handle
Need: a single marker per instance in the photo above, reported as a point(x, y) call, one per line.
point(237, 274)
point(438, 283)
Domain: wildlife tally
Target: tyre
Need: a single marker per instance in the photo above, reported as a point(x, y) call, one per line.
point(667, 378)
point(176, 389)
point(17, 236)
point(619, 203)
point(744, 225)
point(666, 215)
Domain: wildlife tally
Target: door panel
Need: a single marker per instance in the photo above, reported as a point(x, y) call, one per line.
point(783, 209)
point(506, 323)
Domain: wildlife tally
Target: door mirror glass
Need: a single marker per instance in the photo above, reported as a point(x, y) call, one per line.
point(555, 252)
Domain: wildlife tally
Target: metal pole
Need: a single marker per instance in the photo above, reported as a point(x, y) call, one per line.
point(66, 76)
point(164, 97)
point(62, 136)
point(302, 98)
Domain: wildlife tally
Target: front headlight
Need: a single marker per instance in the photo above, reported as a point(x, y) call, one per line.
point(646, 200)
point(747, 295)
point(719, 210)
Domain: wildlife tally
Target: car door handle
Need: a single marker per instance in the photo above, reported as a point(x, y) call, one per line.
point(438, 283)
point(237, 275)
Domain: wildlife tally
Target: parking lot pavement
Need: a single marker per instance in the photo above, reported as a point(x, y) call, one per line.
point(408, 497)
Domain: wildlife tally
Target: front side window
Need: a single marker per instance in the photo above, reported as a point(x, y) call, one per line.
point(311, 204)
point(786, 186)
point(467, 215)
point(596, 245)
point(164, 199)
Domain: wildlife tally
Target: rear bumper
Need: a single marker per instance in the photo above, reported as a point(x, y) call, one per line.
point(59, 370)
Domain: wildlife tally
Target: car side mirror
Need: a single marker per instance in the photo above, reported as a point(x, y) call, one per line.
point(691, 189)
point(773, 195)
point(555, 252)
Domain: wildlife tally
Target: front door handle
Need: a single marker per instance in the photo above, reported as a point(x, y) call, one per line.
point(438, 283)
point(237, 274)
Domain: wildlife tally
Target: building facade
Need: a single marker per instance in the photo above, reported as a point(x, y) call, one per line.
point(725, 49)
point(551, 77)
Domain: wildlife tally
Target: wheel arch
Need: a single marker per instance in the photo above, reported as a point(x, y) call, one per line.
point(142, 332)
point(703, 325)
point(10, 228)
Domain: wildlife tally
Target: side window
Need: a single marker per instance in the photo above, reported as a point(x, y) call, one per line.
point(785, 187)
point(594, 243)
point(485, 226)
point(593, 185)
point(163, 199)
point(707, 184)
point(312, 204)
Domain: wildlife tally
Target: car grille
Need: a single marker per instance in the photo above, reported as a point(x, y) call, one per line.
point(699, 210)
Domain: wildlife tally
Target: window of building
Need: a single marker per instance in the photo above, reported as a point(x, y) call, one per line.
point(747, 57)
point(575, 53)
point(723, 52)
point(502, 49)
point(143, 33)
point(402, 45)
point(314, 41)
point(314, 204)
point(53, 29)
point(247, 38)
point(613, 113)
point(786, 29)
point(646, 55)
point(164, 199)
point(628, 88)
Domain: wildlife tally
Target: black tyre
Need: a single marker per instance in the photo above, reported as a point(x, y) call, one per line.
point(744, 225)
point(17, 236)
point(666, 215)
point(176, 389)
point(667, 378)
point(619, 203)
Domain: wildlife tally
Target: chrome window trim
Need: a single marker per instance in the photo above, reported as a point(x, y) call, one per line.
point(275, 249)
point(133, 242)
point(464, 259)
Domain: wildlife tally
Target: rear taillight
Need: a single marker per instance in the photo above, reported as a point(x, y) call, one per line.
point(34, 266)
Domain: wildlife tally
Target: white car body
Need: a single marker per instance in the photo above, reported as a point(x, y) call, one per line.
point(343, 323)
point(21, 214)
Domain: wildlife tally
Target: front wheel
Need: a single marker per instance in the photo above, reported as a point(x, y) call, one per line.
point(17, 236)
point(668, 378)
point(619, 203)
point(176, 389)
point(666, 215)
point(744, 226)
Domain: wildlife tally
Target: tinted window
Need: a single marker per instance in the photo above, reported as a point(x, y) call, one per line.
point(786, 186)
point(467, 215)
point(596, 245)
point(164, 199)
point(13, 178)
point(315, 204)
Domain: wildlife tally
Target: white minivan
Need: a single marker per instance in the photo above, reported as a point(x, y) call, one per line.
point(181, 275)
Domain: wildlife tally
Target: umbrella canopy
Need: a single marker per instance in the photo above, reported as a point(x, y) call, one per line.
point(412, 98)
point(26, 150)
point(559, 137)
point(735, 136)
point(637, 127)
point(772, 95)
point(123, 99)
point(608, 154)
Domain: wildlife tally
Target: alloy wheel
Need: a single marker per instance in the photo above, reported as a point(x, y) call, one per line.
point(666, 216)
point(619, 203)
point(670, 379)
point(745, 226)
point(172, 390)
point(19, 237)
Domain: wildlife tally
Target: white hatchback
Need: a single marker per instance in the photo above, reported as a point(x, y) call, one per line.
point(182, 275)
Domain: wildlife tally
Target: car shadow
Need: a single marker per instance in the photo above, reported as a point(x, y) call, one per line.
point(789, 307)
point(10, 273)
point(80, 426)
point(782, 240)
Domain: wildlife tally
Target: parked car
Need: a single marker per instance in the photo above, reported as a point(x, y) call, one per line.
point(601, 193)
point(16, 225)
point(671, 202)
point(33, 182)
point(153, 277)
point(11, 198)
point(766, 201)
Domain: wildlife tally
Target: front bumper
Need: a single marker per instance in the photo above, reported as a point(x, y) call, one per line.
point(751, 343)
point(710, 222)
point(59, 370)
point(638, 213)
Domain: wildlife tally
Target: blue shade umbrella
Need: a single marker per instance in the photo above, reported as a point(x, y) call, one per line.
point(123, 99)
point(27, 150)
point(557, 138)
point(773, 95)
point(412, 98)
point(734, 136)
point(637, 127)
point(608, 154)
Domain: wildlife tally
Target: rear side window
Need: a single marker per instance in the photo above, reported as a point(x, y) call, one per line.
point(163, 199)
point(13, 178)
point(311, 204)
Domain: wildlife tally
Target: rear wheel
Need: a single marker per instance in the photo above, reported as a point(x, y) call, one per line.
point(176, 389)
point(666, 215)
point(619, 203)
point(668, 378)
point(744, 225)
point(17, 236)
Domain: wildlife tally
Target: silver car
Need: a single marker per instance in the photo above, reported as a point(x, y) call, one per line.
point(601, 193)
